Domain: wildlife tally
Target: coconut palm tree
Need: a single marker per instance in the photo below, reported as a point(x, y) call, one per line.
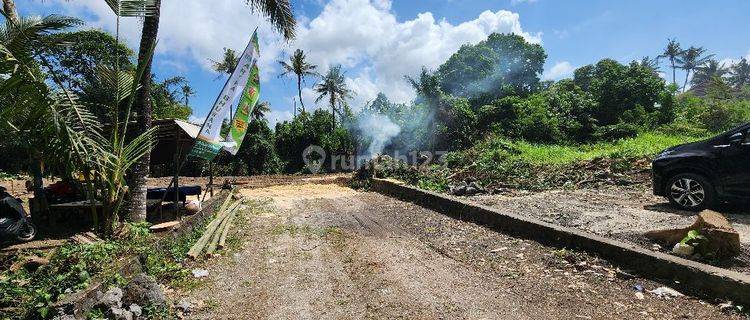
point(740, 74)
point(9, 8)
point(260, 110)
point(38, 119)
point(228, 63)
point(53, 125)
point(691, 59)
point(649, 63)
point(333, 85)
point(278, 12)
point(298, 66)
point(187, 92)
point(707, 71)
point(673, 52)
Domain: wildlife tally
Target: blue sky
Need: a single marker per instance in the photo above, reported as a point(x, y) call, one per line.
point(380, 41)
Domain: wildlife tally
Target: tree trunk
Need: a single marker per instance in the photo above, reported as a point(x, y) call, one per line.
point(687, 75)
point(299, 92)
point(40, 199)
point(333, 112)
point(136, 196)
point(10, 9)
point(674, 72)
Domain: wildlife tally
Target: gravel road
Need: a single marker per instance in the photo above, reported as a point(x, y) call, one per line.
point(329, 252)
point(620, 212)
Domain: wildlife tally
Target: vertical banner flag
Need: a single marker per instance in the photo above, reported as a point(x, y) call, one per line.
point(245, 107)
point(208, 143)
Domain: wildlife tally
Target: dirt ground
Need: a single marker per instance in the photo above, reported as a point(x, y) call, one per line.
point(329, 252)
point(624, 213)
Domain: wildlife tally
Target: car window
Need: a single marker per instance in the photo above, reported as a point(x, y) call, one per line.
point(747, 136)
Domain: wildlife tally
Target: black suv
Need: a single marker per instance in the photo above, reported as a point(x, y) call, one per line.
point(694, 176)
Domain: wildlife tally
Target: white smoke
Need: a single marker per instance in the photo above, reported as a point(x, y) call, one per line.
point(380, 129)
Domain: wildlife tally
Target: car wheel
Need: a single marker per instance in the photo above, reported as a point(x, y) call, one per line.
point(690, 191)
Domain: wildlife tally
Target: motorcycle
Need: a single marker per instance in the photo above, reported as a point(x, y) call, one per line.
point(15, 225)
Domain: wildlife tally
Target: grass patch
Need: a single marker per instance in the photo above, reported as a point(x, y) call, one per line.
point(497, 161)
point(644, 145)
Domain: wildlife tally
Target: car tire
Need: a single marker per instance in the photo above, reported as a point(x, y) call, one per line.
point(27, 232)
point(689, 191)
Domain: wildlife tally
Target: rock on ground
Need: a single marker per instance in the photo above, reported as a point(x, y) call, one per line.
point(144, 290)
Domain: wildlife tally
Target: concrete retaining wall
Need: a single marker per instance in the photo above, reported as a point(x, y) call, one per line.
point(696, 278)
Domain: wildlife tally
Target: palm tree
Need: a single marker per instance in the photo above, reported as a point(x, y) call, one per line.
point(136, 196)
point(301, 68)
point(707, 71)
point(187, 92)
point(740, 74)
point(52, 125)
point(333, 85)
point(649, 63)
point(35, 118)
point(9, 7)
point(228, 63)
point(260, 110)
point(278, 12)
point(691, 59)
point(673, 52)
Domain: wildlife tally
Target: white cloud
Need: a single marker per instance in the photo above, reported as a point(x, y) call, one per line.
point(196, 30)
point(363, 35)
point(366, 35)
point(728, 62)
point(276, 116)
point(560, 70)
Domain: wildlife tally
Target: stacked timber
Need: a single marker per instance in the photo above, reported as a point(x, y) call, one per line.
point(216, 232)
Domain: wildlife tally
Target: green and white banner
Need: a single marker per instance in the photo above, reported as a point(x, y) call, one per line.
point(245, 107)
point(208, 143)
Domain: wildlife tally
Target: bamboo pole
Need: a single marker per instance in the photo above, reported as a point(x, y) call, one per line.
point(217, 232)
point(197, 248)
point(225, 231)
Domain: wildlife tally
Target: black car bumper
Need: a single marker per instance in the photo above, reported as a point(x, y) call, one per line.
point(657, 178)
point(657, 182)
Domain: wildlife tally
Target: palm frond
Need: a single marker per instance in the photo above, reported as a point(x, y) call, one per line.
point(279, 13)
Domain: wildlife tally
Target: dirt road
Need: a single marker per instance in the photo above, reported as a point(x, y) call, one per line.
point(329, 252)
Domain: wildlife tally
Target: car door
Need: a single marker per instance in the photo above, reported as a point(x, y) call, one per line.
point(734, 165)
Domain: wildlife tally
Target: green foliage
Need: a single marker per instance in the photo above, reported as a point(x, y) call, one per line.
point(617, 88)
point(81, 53)
point(501, 65)
point(166, 101)
point(292, 137)
point(71, 267)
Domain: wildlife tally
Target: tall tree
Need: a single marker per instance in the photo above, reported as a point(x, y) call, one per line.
point(228, 62)
point(706, 72)
point(740, 74)
point(691, 59)
point(136, 197)
point(301, 69)
point(504, 64)
point(278, 12)
point(649, 63)
point(187, 92)
point(260, 110)
point(333, 85)
point(9, 7)
point(673, 52)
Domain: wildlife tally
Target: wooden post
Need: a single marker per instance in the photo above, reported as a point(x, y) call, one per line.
point(177, 173)
point(211, 178)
